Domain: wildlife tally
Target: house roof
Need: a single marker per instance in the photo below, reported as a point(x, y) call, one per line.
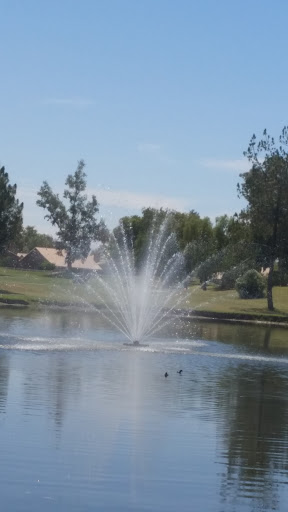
point(58, 259)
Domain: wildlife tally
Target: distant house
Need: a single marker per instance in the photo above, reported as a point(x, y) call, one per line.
point(37, 258)
point(265, 271)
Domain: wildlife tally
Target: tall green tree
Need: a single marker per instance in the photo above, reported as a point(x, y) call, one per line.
point(10, 211)
point(30, 238)
point(189, 227)
point(265, 187)
point(76, 220)
point(230, 231)
point(191, 233)
point(137, 230)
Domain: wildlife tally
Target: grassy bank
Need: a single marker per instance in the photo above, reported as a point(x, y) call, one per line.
point(32, 288)
point(228, 302)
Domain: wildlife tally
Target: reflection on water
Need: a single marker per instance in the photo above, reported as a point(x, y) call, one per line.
point(4, 378)
point(87, 424)
point(255, 443)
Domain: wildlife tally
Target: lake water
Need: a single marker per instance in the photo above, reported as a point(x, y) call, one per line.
point(87, 424)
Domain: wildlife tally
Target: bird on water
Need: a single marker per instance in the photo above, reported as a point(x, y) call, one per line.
point(166, 374)
point(180, 371)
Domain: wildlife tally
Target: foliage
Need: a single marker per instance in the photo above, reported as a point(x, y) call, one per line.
point(221, 232)
point(76, 223)
point(265, 187)
point(30, 238)
point(136, 231)
point(206, 249)
point(233, 260)
point(219, 251)
point(189, 227)
point(46, 265)
point(198, 253)
point(229, 277)
point(5, 261)
point(144, 238)
point(10, 211)
point(251, 285)
point(230, 231)
point(208, 267)
point(280, 278)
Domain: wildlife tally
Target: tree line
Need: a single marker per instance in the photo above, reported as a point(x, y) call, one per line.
point(255, 237)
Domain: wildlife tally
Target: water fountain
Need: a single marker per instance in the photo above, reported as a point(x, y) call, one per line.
point(138, 299)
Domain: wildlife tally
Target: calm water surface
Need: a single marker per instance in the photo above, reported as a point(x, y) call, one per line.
point(89, 424)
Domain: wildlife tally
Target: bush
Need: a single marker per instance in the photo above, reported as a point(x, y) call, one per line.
point(280, 278)
point(229, 277)
point(4, 261)
point(46, 265)
point(251, 285)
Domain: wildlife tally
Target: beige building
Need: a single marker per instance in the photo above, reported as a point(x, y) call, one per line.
point(37, 258)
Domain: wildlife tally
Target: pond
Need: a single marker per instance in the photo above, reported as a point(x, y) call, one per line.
point(89, 424)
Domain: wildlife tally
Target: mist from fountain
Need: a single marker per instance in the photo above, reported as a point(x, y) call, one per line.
point(139, 299)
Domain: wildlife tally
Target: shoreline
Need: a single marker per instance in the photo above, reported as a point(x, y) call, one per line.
point(281, 321)
point(184, 314)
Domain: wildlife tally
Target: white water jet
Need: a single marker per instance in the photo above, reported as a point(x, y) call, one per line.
point(139, 299)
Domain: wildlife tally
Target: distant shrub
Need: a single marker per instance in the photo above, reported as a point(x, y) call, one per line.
point(229, 277)
point(251, 285)
point(207, 268)
point(280, 278)
point(8, 261)
point(4, 261)
point(46, 265)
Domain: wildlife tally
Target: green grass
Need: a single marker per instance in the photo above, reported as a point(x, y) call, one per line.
point(33, 286)
point(228, 301)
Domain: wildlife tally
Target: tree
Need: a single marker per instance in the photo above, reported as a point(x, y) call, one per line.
point(130, 228)
point(197, 254)
point(76, 222)
point(189, 227)
point(265, 187)
point(137, 230)
point(30, 238)
point(230, 231)
point(251, 285)
point(10, 211)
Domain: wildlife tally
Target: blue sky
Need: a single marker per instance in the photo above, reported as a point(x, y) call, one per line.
point(159, 97)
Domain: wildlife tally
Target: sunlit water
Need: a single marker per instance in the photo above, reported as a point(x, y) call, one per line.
point(88, 424)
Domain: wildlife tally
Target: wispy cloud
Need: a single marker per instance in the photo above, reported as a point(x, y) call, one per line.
point(70, 102)
point(148, 147)
point(132, 200)
point(111, 197)
point(237, 165)
point(118, 202)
